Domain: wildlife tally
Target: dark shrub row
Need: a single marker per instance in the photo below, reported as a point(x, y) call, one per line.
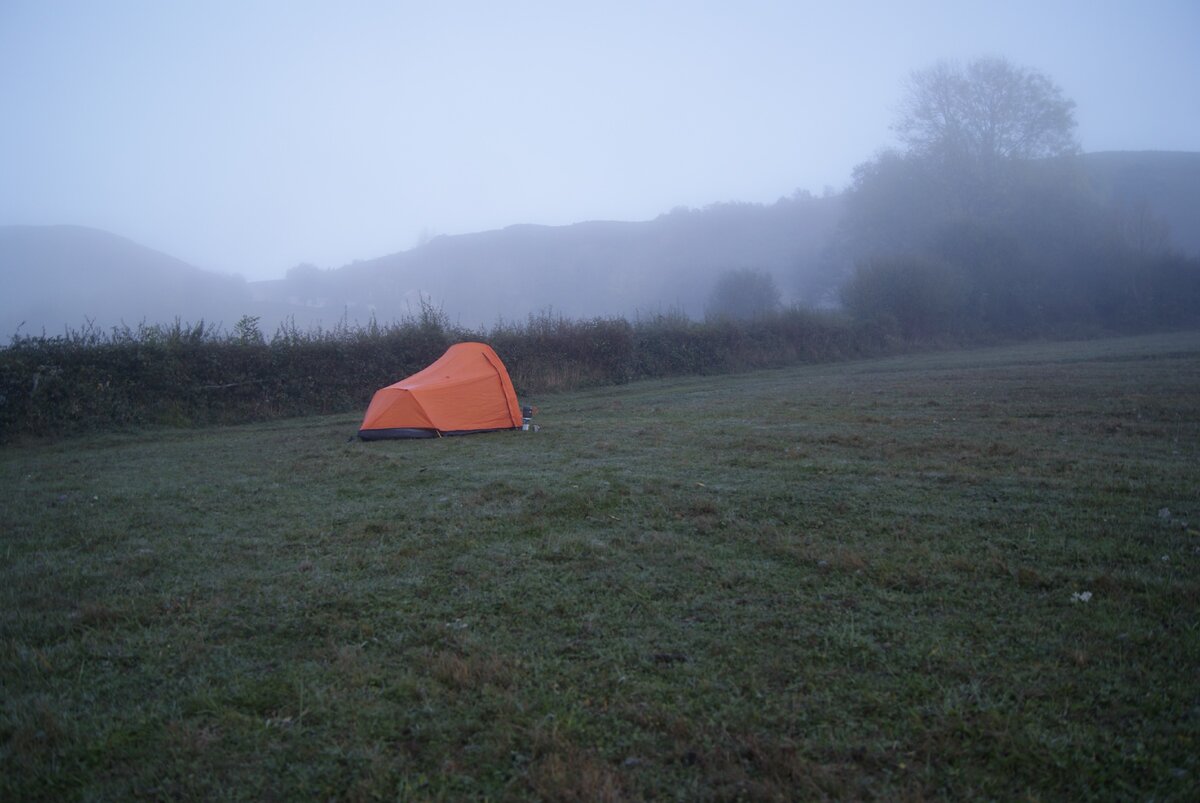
point(978, 281)
point(191, 374)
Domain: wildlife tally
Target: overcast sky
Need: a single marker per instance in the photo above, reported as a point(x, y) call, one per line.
point(247, 136)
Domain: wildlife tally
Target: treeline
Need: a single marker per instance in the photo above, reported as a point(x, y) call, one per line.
point(973, 284)
point(984, 223)
point(193, 374)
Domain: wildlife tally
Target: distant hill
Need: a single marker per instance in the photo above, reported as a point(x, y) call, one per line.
point(583, 270)
point(56, 276)
point(64, 276)
point(671, 262)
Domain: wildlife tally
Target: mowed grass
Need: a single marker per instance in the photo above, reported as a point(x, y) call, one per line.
point(958, 575)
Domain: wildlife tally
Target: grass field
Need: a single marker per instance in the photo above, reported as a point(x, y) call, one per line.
point(958, 575)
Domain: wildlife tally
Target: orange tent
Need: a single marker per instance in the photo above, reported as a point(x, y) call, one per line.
point(466, 390)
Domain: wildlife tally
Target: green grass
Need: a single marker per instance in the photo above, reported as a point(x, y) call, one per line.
point(845, 581)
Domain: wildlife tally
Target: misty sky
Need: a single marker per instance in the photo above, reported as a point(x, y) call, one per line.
point(247, 136)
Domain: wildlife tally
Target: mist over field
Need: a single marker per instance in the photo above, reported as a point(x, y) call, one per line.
point(803, 246)
point(801, 250)
point(292, 164)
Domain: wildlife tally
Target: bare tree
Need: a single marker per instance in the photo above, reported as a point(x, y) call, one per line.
point(985, 113)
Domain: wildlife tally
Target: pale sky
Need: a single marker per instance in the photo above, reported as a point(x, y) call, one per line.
point(247, 137)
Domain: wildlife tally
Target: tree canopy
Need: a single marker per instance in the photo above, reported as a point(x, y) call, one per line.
point(984, 113)
point(981, 223)
point(742, 295)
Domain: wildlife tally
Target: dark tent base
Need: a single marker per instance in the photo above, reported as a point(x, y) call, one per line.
point(393, 434)
point(386, 434)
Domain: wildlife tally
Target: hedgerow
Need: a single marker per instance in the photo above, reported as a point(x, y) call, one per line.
point(185, 374)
